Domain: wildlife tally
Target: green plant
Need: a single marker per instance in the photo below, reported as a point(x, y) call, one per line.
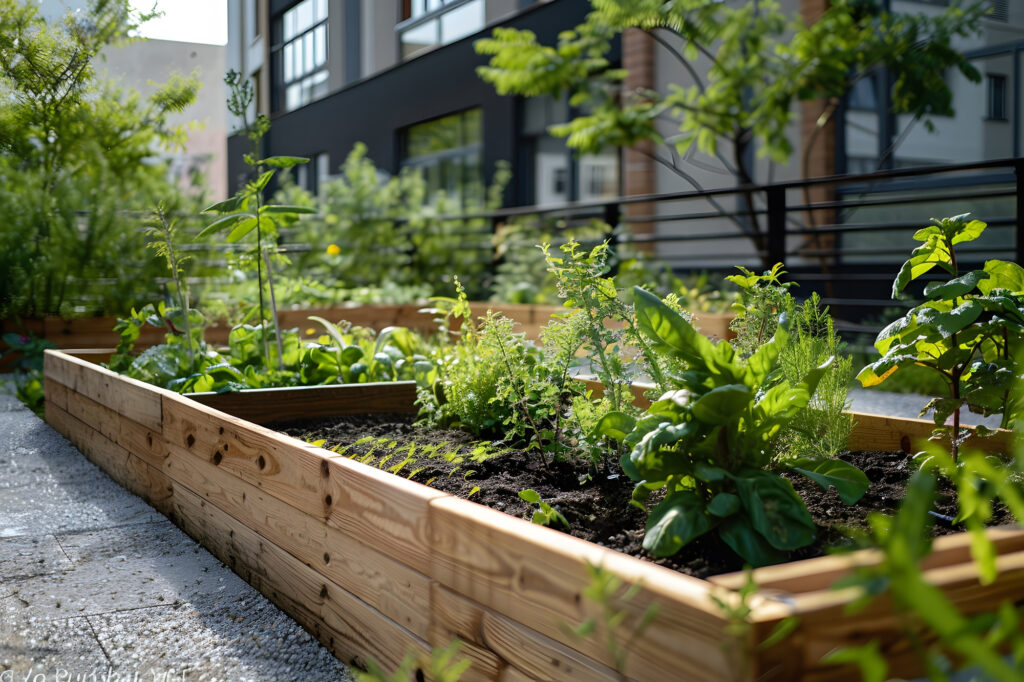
point(760, 63)
point(247, 211)
point(442, 666)
point(707, 444)
point(77, 158)
point(29, 346)
point(969, 330)
point(990, 643)
point(545, 514)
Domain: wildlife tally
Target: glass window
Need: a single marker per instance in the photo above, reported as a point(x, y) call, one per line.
point(428, 23)
point(996, 97)
point(448, 152)
point(303, 56)
point(863, 94)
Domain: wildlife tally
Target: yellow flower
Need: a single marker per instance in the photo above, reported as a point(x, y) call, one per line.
point(310, 331)
point(333, 250)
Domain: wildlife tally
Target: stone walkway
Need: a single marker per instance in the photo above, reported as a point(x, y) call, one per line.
point(96, 585)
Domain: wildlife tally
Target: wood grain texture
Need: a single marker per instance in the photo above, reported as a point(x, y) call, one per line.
point(139, 402)
point(383, 511)
point(811, 575)
point(879, 432)
point(130, 471)
point(536, 575)
point(395, 590)
point(351, 629)
point(540, 657)
point(55, 393)
point(714, 325)
point(270, 405)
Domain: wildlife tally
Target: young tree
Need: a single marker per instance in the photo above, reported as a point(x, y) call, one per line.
point(75, 153)
point(759, 64)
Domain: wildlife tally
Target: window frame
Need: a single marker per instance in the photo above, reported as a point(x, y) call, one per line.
point(1003, 115)
point(278, 52)
point(406, 21)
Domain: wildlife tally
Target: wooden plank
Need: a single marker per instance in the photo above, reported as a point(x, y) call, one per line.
point(638, 390)
point(536, 575)
point(485, 665)
point(138, 401)
point(379, 509)
point(269, 405)
point(511, 642)
point(714, 325)
point(826, 624)
point(395, 590)
point(131, 472)
point(820, 573)
point(351, 629)
point(55, 393)
point(879, 432)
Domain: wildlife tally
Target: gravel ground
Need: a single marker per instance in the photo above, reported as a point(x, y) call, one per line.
point(94, 582)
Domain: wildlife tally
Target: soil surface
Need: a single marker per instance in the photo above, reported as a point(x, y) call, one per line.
point(597, 505)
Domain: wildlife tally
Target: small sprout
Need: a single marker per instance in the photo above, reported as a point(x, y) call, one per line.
point(546, 515)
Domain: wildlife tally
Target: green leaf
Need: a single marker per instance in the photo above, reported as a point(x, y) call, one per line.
point(1002, 275)
point(737, 532)
point(723, 404)
point(616, 425)
point(530, 495)
point(724, 504)
point(669, 331)
point(227, 222)
point(241, 229)
point(850, 482)
point(677, 520)
point(286, 209)
point(867, 657)
point(967, 232)
point(226, 206)
point(260, 183)
point(958, 318)
point(282, 161)
point(775, 510)
point(964, 284)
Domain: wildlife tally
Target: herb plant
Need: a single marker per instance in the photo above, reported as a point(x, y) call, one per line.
point(707, 444)
point(970, 330)
point(247, 211)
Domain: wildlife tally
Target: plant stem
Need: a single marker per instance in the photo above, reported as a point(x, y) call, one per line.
point(273, 312)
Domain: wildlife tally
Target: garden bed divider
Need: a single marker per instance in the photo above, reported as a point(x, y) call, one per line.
point(376, 566)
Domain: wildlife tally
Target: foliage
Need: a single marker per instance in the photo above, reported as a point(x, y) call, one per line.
point(760, 63)
point(442, 666)
point(76, 157)
point(545, 514)
point(30, 348)
point(29, 390)
point(823, 430)
point(991, 642)
point(969, 330)
point(707, 443)
point(247, 212)
point(392, 231)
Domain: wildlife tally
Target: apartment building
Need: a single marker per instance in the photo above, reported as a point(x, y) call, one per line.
point(399, 75)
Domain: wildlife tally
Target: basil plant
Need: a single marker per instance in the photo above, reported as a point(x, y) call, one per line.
point(708, 444)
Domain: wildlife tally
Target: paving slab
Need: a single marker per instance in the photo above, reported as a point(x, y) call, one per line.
point(95, 584)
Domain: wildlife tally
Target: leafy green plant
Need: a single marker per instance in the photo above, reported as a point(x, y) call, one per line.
point(969, 331)
point(990, 643)
point(77, 158)
point(707, 444)
point(247, 211)
point(545, 514)
point(30, 348)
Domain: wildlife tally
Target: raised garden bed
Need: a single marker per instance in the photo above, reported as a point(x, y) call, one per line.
point(375, 565)
point(98, 332)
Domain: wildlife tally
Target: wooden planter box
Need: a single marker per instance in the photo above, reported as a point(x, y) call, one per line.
point(376, 566)
point(98, 332)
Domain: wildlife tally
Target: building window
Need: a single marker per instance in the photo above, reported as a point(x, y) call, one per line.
point(428, 23)
point(448, 151)
point(303, 53)
point(863, 94)
point(996, 97)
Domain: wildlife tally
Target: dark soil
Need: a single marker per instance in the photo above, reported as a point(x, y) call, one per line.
point(597, 506)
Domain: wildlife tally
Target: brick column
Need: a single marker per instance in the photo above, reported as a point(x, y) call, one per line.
point(637, 165)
